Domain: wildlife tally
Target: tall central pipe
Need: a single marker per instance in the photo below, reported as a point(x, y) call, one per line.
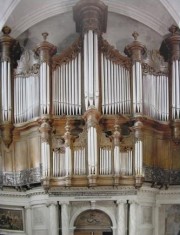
point(91, 21)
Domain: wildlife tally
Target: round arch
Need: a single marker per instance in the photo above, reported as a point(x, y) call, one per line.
point(103, 210)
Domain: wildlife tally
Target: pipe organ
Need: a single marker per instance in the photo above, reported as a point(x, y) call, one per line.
point(97, 113)
point(67, 82)
point(115, 82)
point(26, 86)
point(156, 97)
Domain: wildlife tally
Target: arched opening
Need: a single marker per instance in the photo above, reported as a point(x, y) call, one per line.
point(93, 222)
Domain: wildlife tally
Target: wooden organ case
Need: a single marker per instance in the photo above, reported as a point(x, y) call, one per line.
point(90, 116)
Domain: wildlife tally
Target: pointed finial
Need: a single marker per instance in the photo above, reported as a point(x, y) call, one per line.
point(135, 35)
point(6, 30)
point(45, 34)
point(173, 29)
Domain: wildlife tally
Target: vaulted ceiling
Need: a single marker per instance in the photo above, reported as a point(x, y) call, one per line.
point(28, 19)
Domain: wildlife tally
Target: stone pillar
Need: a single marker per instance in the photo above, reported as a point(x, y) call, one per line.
point(132, 218)
point(53, 217)
point(65, 218)
point(156, 220)
point(28, 218)
point(121, 217)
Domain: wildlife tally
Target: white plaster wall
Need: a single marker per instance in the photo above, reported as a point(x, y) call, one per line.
point(151, 205)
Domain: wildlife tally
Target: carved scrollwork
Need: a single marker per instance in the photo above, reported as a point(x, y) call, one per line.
point(154, 63)
point(58, 144)
point(114, 55)
point(68, 54)
point(28, 64)
point(105, 141)
point(81, 140)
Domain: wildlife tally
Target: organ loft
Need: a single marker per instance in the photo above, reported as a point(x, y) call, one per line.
point(90, 116)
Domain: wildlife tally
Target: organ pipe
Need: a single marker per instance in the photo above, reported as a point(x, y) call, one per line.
point(6, 99)
point(135, 50)
point(68, 151)
point(115, 81)
point(79, 161)
point(138, 152)
point(96, 13)
point(156, 97)
point(8, 45)
point(91, 85)
point(67, 87)
point(45, 130)
point(92, 118)
point(26, 87)
point(117, 138)
point(171, 52)
point(45, 51)
point(176, 89)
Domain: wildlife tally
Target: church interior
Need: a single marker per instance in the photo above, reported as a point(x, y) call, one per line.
point(90, 117)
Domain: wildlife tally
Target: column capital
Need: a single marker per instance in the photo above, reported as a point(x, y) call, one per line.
point(170, 47)
point(136, 49)
point(92, 116)
point(90, 15)
point(64, 203)
point(28, 207)
point(121, 201)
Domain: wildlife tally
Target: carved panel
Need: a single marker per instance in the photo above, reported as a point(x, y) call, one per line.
point(28, 64)
point(67, 55)
point(154, 63)
point(93, 218)
point(114, 55)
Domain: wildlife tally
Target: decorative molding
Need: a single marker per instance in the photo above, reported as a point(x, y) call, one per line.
point(21, 178)
point(154, 63)
point(28, 64)
point(68, 54)
point(113, 54)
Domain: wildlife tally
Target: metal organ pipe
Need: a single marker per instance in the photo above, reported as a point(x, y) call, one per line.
point(105, 161)
point(79, 161)
point(91, 84)
point(115, 80)
point(26, 87)
point(6, 91)
point(67, 88)
point(175, 89)
point(138, 157)
point(156, 99)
